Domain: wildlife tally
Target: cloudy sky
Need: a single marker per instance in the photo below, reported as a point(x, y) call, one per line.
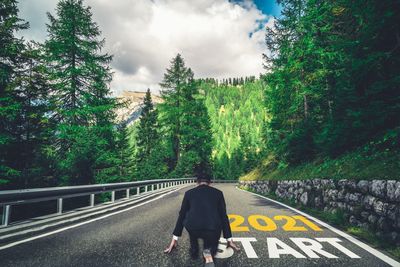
point(217, 38)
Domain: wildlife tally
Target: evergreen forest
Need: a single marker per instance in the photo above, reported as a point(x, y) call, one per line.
point(328, 103)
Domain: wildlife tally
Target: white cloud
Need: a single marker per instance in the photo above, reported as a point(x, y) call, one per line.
point(217, 38)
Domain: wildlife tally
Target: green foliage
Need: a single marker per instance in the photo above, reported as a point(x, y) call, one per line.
point(84, 111)
point(176, 79)
point(331, 86)
point(151, 153)
point(184, 122)
point(237, 116)
point(147, 135)
point(379, 159)
point(24, 127)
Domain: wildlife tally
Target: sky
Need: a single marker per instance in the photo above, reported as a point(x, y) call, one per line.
point(217, 38)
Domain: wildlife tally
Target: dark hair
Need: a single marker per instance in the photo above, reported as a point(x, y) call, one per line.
point(203, 171)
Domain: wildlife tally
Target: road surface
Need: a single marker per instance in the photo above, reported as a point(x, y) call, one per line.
point(269, 234)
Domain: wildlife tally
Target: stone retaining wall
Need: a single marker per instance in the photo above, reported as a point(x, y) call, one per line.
point(373, 205)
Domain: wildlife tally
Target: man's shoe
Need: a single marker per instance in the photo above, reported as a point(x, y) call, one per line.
point(207, 256)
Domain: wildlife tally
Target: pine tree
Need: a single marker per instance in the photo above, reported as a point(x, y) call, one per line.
point(10, 64)
point(147, 135)
point(196, 136)
point(35, 126)
point(175, 80)
point(84, 109)
point(125, 162)
point(151, 152)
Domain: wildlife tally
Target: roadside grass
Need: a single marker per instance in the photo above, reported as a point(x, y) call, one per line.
point(338, 220)
point(361, 164)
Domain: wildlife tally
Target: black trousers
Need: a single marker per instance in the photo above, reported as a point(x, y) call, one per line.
point(210, 240)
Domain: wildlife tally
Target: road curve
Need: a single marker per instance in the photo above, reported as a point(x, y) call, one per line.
point(268, 233)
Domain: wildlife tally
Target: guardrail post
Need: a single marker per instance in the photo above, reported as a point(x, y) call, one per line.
point(112, 196)
point(158, 187)
point(152, 187)
point(91, 200)
point(145, 189)
point(6, 215)
point(138, 190)
point(59, 205)
point(127, 193)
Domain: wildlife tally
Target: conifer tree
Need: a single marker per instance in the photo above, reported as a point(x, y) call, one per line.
point(10, 63)
point(125, 159)
point(147, 135)
point(175, 80)
point(151, 152)
point(185, 117)
point(80, 74)
point(35, 127)
point(196, 136)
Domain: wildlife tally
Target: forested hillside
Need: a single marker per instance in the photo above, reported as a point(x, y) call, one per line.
point(327, 105)
point(237, 115)
point(333, 90)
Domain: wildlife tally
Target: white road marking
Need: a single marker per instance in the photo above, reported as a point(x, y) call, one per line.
point(335, 243)
point(82, 223)
point(276, 248)
point(311, 248)
point(364, 246)
point(248, 248)
point(88, 213)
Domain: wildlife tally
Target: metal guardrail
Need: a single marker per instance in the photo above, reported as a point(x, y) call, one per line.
point(8, 198)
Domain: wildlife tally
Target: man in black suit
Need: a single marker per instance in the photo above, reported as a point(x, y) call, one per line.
point(203, 213)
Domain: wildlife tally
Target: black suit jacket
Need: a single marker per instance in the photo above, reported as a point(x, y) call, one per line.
point(203, 208)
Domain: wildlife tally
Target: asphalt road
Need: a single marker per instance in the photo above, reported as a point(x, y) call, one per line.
point(267, 233)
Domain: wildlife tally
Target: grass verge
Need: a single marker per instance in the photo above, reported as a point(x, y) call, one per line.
point(359, 165)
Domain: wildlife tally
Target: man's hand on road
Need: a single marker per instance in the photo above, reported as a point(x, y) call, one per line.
point(171, 246)
point(233, 246)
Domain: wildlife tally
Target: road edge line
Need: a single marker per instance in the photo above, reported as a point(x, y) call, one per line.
point(85, 222)
point(355, 241)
